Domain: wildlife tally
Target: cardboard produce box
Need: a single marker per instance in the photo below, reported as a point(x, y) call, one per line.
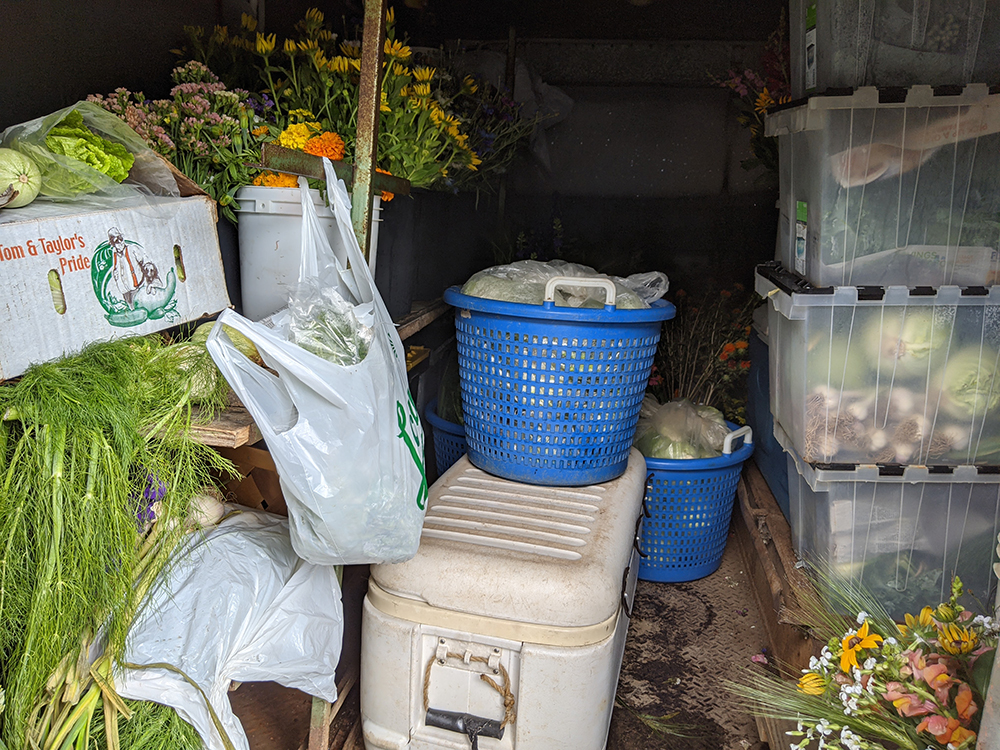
point(75, 274)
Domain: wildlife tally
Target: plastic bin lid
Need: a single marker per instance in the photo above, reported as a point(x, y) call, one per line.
point(820, 477)
point(813, 115)
point(516, 552)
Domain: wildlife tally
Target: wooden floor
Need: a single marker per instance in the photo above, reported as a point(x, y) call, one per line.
point(685, 642)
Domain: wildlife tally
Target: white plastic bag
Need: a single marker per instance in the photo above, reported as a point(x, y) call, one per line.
point(236, 604)
point(346, 440)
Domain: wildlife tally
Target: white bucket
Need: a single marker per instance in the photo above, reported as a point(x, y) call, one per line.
point(270, 231)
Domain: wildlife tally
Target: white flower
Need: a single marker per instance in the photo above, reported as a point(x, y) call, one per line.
point(890, 641)
point(869, 663)
point(862, 616)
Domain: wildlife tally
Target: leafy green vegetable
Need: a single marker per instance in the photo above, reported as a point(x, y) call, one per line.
point(81, 440)
point(969, 382)
point(71, 137)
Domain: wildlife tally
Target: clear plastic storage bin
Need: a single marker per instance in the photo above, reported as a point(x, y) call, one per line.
point(885, 375)
point(902, 534)
point(852, 43)
point(875, 192)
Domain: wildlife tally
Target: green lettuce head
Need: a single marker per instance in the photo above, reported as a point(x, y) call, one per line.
point(838, 363)
point(903, 340)
point(969, 382)
point(71, 137)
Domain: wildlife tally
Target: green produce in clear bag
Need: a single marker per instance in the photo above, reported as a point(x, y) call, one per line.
point(969, 385)
point(903, 340)
point(679, 430)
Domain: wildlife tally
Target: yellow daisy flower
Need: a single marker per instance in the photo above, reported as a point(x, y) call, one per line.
point(351, 49)
point(957, 640)
point(400, 70)
point(265, 44)
point(812, 684)
point(248, 22)
point(764, 101)
point(422, 89)
point(470, 84)
point(220, 35)
point(852, 643)
point(384, 106)
point(324, 35)
point(308, 44)
point(290, 48)
point(390, 17)
point(314, 14)
point(339, 64)
point(922, 622)
point(424, 73)
point(396, 49)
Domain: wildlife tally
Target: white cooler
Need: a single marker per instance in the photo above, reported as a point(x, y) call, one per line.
point(510, 621)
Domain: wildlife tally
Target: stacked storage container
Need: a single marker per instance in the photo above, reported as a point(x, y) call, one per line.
point(884, 332)
point(509, 624)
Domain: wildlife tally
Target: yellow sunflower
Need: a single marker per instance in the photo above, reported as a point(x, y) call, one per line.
point(852, 643)
point(812, 684)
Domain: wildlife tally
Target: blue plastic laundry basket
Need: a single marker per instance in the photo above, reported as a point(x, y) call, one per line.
point(449, 439)
point(550, 394)
point(689, 503)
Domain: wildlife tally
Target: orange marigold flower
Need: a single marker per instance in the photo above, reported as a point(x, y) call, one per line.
point(276, 179)
point(725, 293)
point(261, 130)
point(724, 356)
point(325, 144)
point(729, 347)
point(745, 364)
point(741, 344)
point(386, 195)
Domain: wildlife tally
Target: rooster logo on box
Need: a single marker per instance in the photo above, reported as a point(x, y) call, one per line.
point(128, 284)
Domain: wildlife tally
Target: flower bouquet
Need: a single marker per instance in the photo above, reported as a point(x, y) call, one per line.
point(209, 132)
point(878, 684)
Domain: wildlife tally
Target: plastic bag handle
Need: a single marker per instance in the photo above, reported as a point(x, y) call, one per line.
point(606, 284)
point(727, 446)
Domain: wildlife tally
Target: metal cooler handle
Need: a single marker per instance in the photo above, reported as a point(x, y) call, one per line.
point(607, 285)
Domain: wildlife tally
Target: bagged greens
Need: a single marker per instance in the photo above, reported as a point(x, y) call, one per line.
point(324, 323)
point(524, 282)
point(679, 429)
point(449, 403)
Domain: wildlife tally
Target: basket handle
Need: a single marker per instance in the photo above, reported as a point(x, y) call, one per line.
point(727, 446)
point(610, 292)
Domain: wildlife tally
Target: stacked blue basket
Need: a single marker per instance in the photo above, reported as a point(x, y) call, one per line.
point(449, 439)
point(689, 504)
point(551, 395)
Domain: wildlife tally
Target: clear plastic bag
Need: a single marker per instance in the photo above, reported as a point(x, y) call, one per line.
point(236, 604)
point(65, 178)
point(323, 322)
point(524, 282)
point(679, 429)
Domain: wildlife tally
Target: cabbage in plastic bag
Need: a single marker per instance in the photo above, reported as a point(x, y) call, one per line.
point(68, 178)
point(524, 282)
point(323, 323)
point(679, 429)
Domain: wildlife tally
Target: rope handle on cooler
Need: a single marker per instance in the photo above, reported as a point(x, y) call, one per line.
point(606, 284)
point(727, 446)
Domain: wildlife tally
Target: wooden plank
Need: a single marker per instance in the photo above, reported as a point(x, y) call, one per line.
point(421, 316)
point(779, 587)
point(324, 713)
point(231, 428)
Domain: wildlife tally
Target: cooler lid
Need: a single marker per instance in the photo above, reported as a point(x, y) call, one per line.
point(543, 555)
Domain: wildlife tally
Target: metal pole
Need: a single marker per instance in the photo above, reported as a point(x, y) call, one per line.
point(369, 102)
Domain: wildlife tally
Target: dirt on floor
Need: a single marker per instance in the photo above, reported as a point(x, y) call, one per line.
point(686, 641)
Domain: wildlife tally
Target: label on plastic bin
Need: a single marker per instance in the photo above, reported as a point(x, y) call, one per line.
point(801, 212)
point(810, 47)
